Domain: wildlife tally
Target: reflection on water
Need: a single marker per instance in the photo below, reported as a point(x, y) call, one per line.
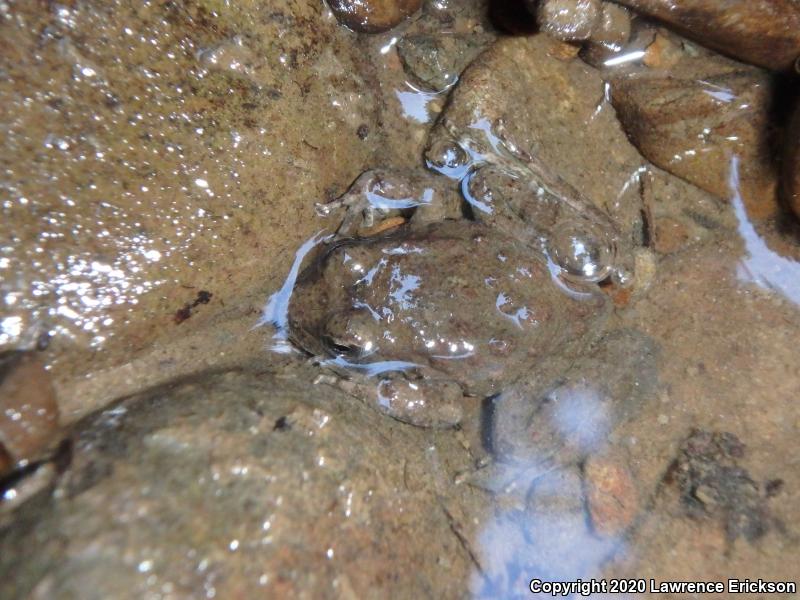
point(276, 311)
point(762, 266)
point(541, 526)
point(415, 104)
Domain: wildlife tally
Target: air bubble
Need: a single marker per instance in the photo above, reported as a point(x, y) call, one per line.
point(477, 190)
point(448, 158)
point(582, 250)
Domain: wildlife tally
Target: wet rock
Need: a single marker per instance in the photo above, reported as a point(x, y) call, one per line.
point(170, 127)
point(638, 35)
point(373, 16)
point(242, 485)
point(612, 497)
point(584, 20)
point(664, 52)
point(713, 485)
point(791, 164)
point(569, 20)
point(28, 411)
point(762, 32)
point(695, 118)
point(436, 61)
point(614, 27)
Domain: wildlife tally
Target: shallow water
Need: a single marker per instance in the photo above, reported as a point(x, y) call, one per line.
point(156, 154)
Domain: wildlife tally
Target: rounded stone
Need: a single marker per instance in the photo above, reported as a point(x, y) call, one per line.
point(611, 495)
point(613, 28)
point(373, 16)
point(569, 20)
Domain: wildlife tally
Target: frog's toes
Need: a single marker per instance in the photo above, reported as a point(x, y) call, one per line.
point(375, 194)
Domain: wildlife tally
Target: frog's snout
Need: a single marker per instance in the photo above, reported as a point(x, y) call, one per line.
point(351, 334)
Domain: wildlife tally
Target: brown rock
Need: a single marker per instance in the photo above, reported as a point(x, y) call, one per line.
point(663, 53)
point(436, 61)
point(614, 26)
point(581, 20)
point(28, 411)
point(611, 495)
point(791, 165)
point(274, 487)
point(692, 121)
point(761, 32)
point(230, 86)
point(373, 16)
point(569, 20)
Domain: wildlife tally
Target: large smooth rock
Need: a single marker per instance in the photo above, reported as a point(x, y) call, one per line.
point(761, 32)
point(247, 486)
point(696, 117)
point(147, 148)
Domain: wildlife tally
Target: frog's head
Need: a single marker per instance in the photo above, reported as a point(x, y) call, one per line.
point(324, 317)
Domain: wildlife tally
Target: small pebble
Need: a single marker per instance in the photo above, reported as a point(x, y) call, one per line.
point(373, 16)
point(611, 495)
point(28, 411)
point(569, 20)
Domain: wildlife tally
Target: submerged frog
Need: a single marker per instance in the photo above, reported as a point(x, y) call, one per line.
point(436, 312)
point(493, 281)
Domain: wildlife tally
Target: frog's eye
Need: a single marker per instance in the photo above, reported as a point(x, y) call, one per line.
point(343, 349)
point(347, 334)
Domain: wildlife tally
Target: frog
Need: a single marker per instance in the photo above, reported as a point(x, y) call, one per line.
point(425, 317)
point(496, 250)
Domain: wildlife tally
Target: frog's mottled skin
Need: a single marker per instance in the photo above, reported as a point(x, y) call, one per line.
point(460, 307)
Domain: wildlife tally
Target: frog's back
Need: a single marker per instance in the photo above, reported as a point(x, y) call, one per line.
point(468, 301)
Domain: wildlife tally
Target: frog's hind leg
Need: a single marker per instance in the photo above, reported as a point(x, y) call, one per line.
point(424, 401)
point(432, 403)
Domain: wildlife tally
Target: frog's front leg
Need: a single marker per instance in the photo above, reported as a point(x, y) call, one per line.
point(392, 197)
point(359, 212)
point(422, 398)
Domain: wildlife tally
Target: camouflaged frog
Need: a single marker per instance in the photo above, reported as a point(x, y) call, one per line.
point(437, 310)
